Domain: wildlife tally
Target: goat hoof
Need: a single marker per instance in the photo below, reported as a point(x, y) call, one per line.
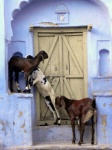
point(46, 124)
point(19, 91)
point(73, 141)
point(55, 123)
point(25, 91)
point(92, 142)
point(12, 91)
point(59, 124)
point(29, 91)
point(79, 143)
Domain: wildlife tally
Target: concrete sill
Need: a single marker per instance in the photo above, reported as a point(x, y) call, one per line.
point(103, 93)
point(22, 95)
point(102, 77)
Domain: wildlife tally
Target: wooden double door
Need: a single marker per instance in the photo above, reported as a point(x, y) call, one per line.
point(66, 67)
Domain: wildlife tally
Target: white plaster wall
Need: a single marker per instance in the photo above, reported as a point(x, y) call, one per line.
point(81, 12)
point(91, 12)
point(16, 5)
point(15, 120)
point(2, 49)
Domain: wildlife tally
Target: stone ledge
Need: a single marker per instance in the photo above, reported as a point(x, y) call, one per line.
point(49, 134)
point(102, 94)
point(61, 146)
point(22, 95)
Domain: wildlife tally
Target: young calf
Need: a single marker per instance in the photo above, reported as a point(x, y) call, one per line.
point(46, 90)
point(83, 109)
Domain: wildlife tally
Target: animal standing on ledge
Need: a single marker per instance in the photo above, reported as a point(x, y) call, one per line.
point(84, 110)
point(46, 90)
point(18, 64)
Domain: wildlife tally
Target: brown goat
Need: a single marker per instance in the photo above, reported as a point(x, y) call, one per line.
point(83, 109)
point(18, 64)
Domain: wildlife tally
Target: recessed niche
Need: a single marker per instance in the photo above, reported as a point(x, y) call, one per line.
point(104, 62)
point(21, 75)
point(62, 12)
point(17, 48)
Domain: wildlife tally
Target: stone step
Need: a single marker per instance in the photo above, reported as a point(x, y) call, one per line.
point(60, 133)
point(60, 146)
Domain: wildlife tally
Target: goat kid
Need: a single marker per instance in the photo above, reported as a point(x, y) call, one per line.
point(46, 90)
point(18, 64)
point(84, 110)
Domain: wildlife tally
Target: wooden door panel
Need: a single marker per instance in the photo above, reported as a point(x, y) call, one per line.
point(76, 47)
point(50, 49)
point(64, 69)
point(78, 88)
point(73, 58)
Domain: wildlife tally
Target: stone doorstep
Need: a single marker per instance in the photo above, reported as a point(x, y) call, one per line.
point(60, 146)
point(48, 134)
point(52, 138)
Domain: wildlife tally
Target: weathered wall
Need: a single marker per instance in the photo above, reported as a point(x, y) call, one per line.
point(88, 13)
point(18, 18)
point(15, 120)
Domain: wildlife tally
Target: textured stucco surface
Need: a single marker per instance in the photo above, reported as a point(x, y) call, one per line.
point(15, 120)
point(17, 112)
point(59, 133)
point(61, 146)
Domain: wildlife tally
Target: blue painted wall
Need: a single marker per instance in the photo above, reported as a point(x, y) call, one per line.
point(17, 113)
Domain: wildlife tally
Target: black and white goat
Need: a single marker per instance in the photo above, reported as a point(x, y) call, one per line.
point(18, 64)
point(46, 90)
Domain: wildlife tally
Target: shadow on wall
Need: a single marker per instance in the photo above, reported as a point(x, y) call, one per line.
point(21, 75)
point(17, 48)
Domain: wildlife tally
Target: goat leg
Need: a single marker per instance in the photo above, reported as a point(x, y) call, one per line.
point(51, 107)
point(27, 90)
point(73, 130)
point(17, 82)
point(10, 80)
point(93, 126)
point(82, 128)
point(58, 120)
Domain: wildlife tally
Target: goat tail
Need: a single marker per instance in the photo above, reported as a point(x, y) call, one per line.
point(94, 109)
point(94, 103)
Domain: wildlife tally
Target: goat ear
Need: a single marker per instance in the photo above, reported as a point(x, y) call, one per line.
point(63, 103)
point(42, 58)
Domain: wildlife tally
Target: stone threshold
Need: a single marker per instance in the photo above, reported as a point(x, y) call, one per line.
point(60, 146)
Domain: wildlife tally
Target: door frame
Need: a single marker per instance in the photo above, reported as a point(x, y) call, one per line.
point(81, 29)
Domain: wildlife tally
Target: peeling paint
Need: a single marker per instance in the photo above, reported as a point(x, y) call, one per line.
point(23, 125)
point(20, 114)
point(9, 108)
point(2, 126)
point(49, 23)
point(104, 131)
point(104, 121)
